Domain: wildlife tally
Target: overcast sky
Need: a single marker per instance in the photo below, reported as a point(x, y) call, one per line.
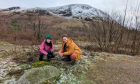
point(106, 5)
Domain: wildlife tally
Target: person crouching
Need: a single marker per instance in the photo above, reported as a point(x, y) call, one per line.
point(69, 51)
point(47, 49)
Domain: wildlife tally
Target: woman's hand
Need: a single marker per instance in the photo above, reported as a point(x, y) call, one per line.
point(61, 54)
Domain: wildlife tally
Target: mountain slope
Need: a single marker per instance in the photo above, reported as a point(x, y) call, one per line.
point(79, 11)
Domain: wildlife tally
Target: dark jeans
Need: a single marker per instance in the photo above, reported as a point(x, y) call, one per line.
point(67, 58)
point(49, 56)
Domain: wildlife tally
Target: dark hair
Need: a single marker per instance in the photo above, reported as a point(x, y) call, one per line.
point(49, 44)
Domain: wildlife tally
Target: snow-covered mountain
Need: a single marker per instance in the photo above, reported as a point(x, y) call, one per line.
point(79, 11)
point(11, 9)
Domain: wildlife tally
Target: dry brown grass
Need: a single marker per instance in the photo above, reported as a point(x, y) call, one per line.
point(33, 29)
point(115, 69)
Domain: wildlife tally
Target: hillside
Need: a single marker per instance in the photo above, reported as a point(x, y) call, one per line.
point(110, 49)
point(78, 11)
point(94, 68)
point(29, 26)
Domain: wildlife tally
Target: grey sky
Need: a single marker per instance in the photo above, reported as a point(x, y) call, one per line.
point(106, 5)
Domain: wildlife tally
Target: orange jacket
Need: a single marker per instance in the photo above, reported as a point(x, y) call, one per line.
point(71, 48)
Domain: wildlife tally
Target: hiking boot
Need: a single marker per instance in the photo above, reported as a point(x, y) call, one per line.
point(66, 59)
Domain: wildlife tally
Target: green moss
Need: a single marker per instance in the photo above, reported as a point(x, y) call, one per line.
point(39, 64)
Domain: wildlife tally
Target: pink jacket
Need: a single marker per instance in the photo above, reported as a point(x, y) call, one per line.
point(45, 48)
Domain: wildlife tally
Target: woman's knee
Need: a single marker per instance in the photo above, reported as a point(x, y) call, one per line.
point(74, 56)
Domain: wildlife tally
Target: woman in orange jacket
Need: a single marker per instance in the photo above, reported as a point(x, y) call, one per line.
point(69, 51)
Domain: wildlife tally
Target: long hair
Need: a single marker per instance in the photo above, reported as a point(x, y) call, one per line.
point(49, 44)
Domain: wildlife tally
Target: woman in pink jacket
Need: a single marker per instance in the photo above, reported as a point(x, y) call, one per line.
point(47, 48)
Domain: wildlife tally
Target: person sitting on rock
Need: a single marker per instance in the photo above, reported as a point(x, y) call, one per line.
point(69, 51)
point(47, 48)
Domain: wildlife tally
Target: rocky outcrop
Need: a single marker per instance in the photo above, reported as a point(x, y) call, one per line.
point(38, 75)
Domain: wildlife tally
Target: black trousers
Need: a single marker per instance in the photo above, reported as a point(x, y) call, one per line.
point(49, 56)
point(67, 58)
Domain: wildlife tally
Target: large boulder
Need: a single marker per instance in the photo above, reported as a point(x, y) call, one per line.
point(38, 75)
